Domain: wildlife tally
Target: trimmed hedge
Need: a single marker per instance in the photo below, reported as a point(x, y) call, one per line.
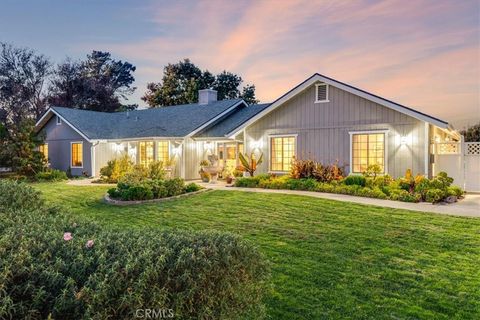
point(204, 275)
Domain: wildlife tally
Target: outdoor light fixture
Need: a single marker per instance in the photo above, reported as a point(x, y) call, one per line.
point(208, 145)
point(118, 147)
point(177, 150)
point(256, 144)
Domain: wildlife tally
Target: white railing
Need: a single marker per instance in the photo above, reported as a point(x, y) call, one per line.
point(447, 147)
point(472, 148)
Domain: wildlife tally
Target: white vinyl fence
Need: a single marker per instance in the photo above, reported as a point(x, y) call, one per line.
point(461, 160)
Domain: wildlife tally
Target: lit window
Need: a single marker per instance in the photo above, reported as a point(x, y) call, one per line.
point(163, 153)
point(43, 148)
point(77, 154)
point(146, 153)
point(368, 149)
point(282, 153)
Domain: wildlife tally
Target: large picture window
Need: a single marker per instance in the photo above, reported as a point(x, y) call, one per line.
point(146, 153)
point(77, 154)
point(282, 151)
point(163, 153)
point(368, 149)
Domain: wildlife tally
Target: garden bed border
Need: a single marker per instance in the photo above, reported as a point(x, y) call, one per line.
point(116, 202)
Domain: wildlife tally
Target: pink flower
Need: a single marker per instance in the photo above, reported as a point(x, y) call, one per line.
point(89, 244)
point(67, 236)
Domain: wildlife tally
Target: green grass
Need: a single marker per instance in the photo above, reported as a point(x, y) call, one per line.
point(329, 259)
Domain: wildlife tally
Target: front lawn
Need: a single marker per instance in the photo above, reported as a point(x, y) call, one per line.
point(329, 259)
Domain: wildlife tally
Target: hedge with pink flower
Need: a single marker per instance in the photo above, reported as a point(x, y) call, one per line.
point(57, 265)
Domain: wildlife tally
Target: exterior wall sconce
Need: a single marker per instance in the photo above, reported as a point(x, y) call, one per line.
point(208, 145)
point(256, 144)
point(177, 150)
point(118, 147)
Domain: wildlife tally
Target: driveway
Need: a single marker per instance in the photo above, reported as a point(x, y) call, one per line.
point(468, 207)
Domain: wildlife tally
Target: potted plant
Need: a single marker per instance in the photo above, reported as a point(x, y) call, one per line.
point(228, 175)
point(205, 176)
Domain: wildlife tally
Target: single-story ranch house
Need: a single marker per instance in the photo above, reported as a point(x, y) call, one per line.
point(321, 118)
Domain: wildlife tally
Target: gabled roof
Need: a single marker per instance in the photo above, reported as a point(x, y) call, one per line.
point(315, 78)
point(174, 121)
point(231, 122)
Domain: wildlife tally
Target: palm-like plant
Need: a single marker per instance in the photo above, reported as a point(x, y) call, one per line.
point(250, 164)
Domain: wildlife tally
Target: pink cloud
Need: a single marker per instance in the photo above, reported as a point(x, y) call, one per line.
point(423, 53)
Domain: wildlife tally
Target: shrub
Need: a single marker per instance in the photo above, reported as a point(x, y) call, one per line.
point(403, 195)
point(116, 169)
point(204, 275)
point(175, 187)
point(156, 170)
point(357, 180)
point(455, 191)
point(251, 182)
point(51, 175)
point(137, 192)
point(17, 196)
point(301, 184)
point(310, 169)
point(373, 170)
point(435, 195)
point(192, 187)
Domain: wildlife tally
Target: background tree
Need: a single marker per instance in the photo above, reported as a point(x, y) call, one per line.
point(181, 82)
point(23, 77)
point(472, 134)
point(99, 83)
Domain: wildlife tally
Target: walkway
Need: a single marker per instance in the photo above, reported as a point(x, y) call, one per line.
point(468, 207)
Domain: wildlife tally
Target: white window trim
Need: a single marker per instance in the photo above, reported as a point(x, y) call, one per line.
point(59, 121)
point(269, 143)
point(71, 153)
point(316, 92)
point(385, 149)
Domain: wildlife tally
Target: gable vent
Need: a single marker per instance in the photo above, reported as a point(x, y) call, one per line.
point(321, 92)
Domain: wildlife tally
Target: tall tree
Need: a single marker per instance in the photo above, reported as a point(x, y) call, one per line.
point(23, 76)
point(472, 134)
point(98, 83)
point(181, 82)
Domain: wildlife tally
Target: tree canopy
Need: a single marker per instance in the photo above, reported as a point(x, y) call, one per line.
point(97, 83)
point(181, 82)
point(472, 134)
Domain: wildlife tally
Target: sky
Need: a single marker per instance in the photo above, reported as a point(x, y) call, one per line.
point(422, 54)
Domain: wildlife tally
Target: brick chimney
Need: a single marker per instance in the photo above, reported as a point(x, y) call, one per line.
point(207, 96)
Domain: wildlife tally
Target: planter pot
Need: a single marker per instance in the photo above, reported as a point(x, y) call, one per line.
point(229, 180)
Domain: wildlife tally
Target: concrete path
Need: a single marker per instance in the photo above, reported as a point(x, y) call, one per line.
point(87, 182)
point(468, 207)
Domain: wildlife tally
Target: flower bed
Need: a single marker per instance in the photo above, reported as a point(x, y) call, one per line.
point(60, 266)
point(407, 189)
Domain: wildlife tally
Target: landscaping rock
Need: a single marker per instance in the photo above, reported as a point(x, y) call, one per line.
point(451, 199)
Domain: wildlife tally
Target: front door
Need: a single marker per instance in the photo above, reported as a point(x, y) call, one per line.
point(228, 154)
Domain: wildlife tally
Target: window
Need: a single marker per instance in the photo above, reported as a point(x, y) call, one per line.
point(43, 148)
point(59, 121)
point(77, 155)
point(282, 152)
point(368, 149)
point(321, 92)
point(163, 153)
point(146, 153)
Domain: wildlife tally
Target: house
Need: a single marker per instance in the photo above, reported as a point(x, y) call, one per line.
point(320, 118)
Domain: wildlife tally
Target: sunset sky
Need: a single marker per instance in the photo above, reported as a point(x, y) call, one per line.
point(423, 54)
